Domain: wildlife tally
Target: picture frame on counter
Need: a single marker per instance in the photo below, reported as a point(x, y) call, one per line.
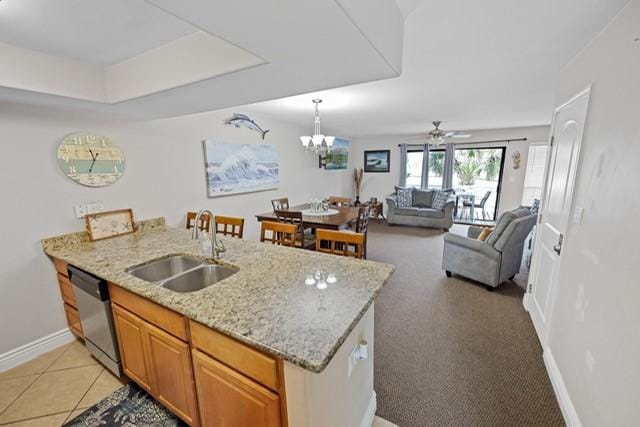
point(104, 225)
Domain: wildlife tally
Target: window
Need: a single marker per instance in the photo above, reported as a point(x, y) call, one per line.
point(414, 168)
point(436, 167)
point(534, 175)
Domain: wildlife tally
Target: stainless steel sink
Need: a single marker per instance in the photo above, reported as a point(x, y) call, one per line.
point(199, 278)
point(164, 268)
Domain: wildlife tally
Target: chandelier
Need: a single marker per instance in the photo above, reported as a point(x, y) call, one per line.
point(318, 143)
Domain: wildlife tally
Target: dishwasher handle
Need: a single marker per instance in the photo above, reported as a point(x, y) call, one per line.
point(92, 285)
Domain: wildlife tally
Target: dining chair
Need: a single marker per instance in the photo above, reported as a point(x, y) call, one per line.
point(340, 201)
point(229, 226)
point(304, 238)
point(280, 204)
point(278, 233)
point(362, 225)
point(204, 221)
point(467, 204)
point(344, 243)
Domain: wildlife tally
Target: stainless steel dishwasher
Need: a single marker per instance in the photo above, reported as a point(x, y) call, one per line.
point(94, 308)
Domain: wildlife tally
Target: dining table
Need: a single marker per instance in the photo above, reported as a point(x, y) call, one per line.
point(338, 217)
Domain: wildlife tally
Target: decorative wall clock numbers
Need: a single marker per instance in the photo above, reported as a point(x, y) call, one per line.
point(90, 159)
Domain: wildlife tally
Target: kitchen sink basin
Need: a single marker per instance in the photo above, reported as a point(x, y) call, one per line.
point(199, 278)
point(164, 268)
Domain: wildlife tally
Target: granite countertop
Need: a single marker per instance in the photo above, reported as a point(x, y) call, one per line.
point(266, 304)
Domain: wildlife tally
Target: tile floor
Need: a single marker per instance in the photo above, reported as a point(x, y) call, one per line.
point(53, 388)
point(59, 385)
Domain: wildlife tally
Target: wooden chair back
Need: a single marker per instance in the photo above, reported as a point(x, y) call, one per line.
point(229, 226)
point(362, 224)
point(205, 221)
point(345, 243)
point(290, 217)
point(278, 233)
point(340, 201)
point(280, 204)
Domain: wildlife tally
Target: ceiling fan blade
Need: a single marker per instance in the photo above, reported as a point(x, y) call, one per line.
point(462, 135)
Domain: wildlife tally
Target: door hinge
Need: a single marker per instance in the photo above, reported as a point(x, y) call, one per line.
point(540, 219)
point(552, 139)
point(529, 287)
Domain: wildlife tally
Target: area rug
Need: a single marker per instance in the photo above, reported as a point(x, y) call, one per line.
point(129, 406)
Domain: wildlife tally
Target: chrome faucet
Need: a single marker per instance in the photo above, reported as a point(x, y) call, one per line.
point(216, 247)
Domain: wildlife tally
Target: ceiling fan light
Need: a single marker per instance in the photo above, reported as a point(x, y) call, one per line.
point(305, 140)
point(317, 139)
point(329, 140)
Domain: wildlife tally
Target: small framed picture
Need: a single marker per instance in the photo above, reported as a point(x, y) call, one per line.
point(103, 225)
point(377, 160)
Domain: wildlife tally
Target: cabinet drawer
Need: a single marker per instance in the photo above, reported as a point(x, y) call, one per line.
point(252, 363)
point(66, 290)
point(61, 266)
point(73, 319)
point(228, 398)
point(157, 315)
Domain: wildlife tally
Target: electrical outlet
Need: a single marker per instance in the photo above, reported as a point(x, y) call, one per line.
point(92, 207)
point(80, 210)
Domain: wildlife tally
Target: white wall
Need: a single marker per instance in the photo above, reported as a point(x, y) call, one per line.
point(164, 177)
point(594, 332)
point(381, 184)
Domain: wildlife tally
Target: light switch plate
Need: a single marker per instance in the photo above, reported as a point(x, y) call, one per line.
point(578, 214)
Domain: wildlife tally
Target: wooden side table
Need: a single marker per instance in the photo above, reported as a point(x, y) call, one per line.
point(376, 209)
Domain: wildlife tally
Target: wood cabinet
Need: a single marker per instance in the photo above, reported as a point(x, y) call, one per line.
point(172, 374)
point(68, 297)
point(73, 319)
point(159, 362)
point(131, 341)
point(228, 398)
point(201, 375)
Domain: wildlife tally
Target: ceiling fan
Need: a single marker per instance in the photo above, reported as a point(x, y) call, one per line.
point(437, 135)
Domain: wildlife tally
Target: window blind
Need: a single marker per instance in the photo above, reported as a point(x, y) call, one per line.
point(534, 175)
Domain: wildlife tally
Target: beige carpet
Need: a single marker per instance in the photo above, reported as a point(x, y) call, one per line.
point(448, 352)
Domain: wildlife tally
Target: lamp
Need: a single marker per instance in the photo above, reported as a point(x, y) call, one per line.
point(318, 143)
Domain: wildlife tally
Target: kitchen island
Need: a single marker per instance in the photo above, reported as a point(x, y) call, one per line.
point(279, 305)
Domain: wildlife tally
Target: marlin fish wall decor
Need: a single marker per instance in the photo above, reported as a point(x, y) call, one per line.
point(238, 120)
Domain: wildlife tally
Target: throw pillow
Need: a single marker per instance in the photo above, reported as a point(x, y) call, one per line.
point(439, 199)
point(422, 198)
point(485, 233)
point(405, 197)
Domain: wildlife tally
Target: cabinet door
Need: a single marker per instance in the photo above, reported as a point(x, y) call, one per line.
point(172, 374)
point(228, 398)
point(131, 339)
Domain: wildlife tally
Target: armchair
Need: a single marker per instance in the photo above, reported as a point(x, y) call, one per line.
point(495, 260)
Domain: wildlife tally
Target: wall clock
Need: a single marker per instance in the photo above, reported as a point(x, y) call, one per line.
point(91, 160)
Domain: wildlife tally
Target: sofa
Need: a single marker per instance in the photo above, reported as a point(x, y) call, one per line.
point(494, 260)
point(422, 212)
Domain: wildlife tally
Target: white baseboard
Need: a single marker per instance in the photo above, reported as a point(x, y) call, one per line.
point(562, 394)
point(22, 354)
point(370, 414)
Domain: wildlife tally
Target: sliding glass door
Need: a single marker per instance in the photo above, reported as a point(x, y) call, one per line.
point(477, 174)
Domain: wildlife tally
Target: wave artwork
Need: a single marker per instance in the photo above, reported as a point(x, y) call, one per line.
point(240, 168)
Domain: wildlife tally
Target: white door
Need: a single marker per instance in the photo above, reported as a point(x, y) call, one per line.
point(566, 138)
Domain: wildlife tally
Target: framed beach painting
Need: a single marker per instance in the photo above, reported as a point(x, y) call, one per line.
point(338, 158)
point(240, 168)
point(377, 160)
